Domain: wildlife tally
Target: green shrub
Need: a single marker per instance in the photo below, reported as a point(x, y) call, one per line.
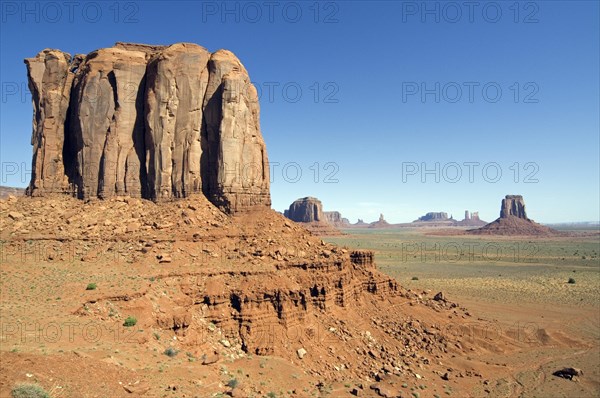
point(233, 383)
point(91, 286)
point(415, 278)
point(170, 352)
point(571, 280)
point(130, 321)
point(26, 390)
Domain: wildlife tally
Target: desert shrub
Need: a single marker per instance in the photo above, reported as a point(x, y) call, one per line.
point(130, 321)
point(415, 278)
point(170, 352)
point(27, 390)
point(91, 286)
point(233, 383)
point(571, 280)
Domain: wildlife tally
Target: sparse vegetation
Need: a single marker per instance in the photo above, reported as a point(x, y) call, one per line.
point(170, 352)
point(571, 280)
point(28, 390)
point(91, 286)
point(232, 383)
point(415, 278)
point(130, 321)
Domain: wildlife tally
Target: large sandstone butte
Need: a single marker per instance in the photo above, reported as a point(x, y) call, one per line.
point(513, 221)
point(309, 212)
point(154, 122)
point(306, 210)
point(513, 205)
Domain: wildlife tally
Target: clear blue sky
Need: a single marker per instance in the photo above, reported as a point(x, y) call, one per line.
point(386, 87)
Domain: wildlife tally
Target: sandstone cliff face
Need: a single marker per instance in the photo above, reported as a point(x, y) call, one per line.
point(335, 218)
point(307, 209)
point(156, 122)
point(513, 205)
point(50, 85)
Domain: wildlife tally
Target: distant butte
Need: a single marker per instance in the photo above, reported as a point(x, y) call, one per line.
point(513, 220)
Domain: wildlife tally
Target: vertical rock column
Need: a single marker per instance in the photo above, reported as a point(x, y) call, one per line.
point(235, 166)
point(106, 126)
point(49, 81)
point(177, 79)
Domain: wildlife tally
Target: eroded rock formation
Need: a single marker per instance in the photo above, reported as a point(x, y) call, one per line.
point(513, 205)
point(305, 210)
point(513, 221)
point(434, 216)
point(156, 122)
point(335, 218)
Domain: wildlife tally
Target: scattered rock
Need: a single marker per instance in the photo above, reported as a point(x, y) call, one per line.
point(301, 353)
point(384, 390)
point(138, 389)
point(210, 359)
point(439, 297)
point(568, 373)
point(164, 258)
point(225, 343)
point(15, 215)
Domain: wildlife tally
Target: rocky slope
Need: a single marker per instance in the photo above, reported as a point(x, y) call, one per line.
point(156, 122)
point(265, 283)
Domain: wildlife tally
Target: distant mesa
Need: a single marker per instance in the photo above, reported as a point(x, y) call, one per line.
point(5, 192)
point(441, 219)
point(309, 211)
point(335, 218)
point(434, 216)
point(513, 220)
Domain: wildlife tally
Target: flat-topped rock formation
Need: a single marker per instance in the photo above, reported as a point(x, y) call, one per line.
point(309, 212)
point(513, 220)
point(305, 210)
point(154, 122)
point(513, 205)
point(335, 218)
point(434, 216)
